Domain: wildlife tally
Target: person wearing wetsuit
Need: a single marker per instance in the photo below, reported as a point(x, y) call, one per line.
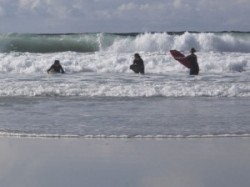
point(138, 64)
point(56, 67)
point(192, 58)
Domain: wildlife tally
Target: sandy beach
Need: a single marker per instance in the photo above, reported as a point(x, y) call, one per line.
point(175, 162)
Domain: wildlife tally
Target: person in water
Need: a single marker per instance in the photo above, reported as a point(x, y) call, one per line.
point(138, 64)
point(56, 67)
point(192, 58)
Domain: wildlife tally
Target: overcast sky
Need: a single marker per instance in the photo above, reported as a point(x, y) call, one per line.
point(78, 16)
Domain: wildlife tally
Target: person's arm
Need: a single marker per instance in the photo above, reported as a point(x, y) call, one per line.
point(50, 68)
point(62, 70)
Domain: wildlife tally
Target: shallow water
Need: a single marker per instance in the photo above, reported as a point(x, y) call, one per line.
point(156, 117)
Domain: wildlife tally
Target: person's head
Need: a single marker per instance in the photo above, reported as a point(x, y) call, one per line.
point(136, 55)
point(192, 50)
point(57, 62)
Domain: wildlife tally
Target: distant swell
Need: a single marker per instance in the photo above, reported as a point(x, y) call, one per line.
point(48, 43)
point(125, 42)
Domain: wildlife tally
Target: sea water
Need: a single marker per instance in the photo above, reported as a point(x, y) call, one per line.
point(99, 96)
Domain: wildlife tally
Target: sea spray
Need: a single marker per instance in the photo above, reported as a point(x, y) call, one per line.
point(147, 42)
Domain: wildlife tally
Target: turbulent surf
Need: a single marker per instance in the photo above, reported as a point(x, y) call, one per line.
point(99, 96)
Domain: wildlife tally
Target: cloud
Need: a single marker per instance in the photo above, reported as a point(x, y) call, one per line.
point(128, 7)
point(243, 1)
point(141, 7)
point(43, 8)
point(29, 4)
point(114, 15)
point(144, 11)
point(126, 11)
point(177, 3)
point(2, 12)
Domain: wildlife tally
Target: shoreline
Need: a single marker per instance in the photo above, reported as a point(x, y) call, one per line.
point(122, 137)
point(145, 162)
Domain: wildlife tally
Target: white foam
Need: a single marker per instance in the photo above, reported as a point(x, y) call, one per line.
point(160, 63)
point(122, 43)
point(32, 135)
point(107, 73)
point(204, 42)
point(130, 86)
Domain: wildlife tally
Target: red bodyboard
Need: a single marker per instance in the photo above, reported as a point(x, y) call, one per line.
point(177, 54)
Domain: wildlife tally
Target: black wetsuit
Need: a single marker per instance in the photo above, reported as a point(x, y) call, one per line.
point(194, 70)
point(56, 69)
point(138, 66)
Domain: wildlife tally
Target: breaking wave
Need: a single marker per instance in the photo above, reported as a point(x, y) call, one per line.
point(125, 42)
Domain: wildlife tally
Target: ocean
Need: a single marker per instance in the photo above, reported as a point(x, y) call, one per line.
point(99, 96)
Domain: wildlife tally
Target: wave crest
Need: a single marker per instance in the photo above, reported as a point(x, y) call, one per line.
point(147, 42)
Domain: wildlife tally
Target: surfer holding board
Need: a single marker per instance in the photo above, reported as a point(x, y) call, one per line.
point(189, 61)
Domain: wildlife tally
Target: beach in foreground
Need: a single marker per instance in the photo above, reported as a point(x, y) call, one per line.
point(135, 162)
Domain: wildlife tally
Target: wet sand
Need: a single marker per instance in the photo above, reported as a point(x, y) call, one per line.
point(176, 162)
